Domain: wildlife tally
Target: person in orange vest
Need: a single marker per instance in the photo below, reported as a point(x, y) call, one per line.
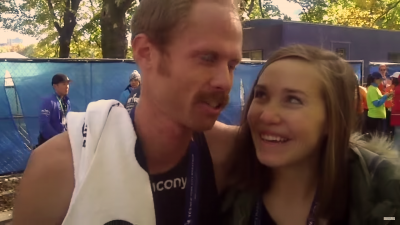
point(362, 109)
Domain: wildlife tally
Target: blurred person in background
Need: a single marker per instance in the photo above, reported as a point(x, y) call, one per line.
point(134, 83)
point(395, 113)
point(362, 108)
point(383, 71)
point(54, 109)
point(376, 106)
point(389, 130)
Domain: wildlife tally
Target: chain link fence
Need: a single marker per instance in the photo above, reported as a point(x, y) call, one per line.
point(27, 81)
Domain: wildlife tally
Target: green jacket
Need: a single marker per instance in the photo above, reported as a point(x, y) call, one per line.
point(375, 187)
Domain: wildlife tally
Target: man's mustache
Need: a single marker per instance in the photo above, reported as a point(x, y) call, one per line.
point(220, 97)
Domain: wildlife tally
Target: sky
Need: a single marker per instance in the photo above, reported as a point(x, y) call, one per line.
point(290, 9)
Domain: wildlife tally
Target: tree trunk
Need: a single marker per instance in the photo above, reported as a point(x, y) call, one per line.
point(113, 28)
point(65, 33)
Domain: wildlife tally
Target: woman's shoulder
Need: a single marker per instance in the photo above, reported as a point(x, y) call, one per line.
point(377, 157)
point(375, 178)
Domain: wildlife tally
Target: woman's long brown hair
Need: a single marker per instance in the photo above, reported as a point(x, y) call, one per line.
point(337, 86)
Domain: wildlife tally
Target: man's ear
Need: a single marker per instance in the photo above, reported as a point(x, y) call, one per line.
point(141, 49)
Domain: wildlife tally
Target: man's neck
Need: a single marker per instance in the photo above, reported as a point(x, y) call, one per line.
point(164, 141)
point(60, 96)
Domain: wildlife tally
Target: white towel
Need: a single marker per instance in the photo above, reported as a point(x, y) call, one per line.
point(109, 182)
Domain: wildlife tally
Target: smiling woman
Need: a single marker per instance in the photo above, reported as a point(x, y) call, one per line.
point(295, 147)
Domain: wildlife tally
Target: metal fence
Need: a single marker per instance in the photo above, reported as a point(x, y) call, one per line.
point(27, 81)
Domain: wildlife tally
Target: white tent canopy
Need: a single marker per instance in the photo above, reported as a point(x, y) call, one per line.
point(11, 55)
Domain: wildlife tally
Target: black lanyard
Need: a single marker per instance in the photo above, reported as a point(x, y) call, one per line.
point(311, 220)
point(192, 190)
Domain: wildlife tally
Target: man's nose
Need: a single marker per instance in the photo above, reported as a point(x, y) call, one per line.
point(223, 79)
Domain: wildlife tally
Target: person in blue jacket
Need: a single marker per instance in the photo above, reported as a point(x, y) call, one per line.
point(134, 83)
point(54, 109)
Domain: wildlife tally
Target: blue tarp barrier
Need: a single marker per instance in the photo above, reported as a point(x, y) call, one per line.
point(13, 153)
point(91, 81)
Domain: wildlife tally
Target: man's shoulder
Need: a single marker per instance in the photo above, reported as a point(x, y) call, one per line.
point(47, 184)
point(48, 99)
point(53, 154)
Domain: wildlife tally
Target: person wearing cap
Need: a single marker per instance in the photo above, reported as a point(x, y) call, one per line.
point(54, 109)
point(395, 116)
point(376, 105)
point(132, 89)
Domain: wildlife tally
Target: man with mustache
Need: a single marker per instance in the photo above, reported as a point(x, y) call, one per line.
point(187, 61)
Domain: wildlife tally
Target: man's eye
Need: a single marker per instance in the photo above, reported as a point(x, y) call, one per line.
point(208, 57)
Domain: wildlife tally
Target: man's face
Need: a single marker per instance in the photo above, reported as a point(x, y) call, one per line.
point(383, 70)
point(192, 82)
point(134, 83)
point(62, 88)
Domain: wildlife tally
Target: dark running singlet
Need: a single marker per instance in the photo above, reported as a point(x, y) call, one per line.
point(169, 189)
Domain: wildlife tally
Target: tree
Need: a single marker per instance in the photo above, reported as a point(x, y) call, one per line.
point(312, 10)
point(27, 51)
point(257, 9)
point(113, 23)
point(382, 14)
point(38, 18)
point(11, 48)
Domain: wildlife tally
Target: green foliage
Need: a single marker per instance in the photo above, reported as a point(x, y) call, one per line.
point(28, 51)
point(257, 9)
point(312, 10)
point(380, 14)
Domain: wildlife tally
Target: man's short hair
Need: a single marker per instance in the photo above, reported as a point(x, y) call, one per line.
point(158, 19)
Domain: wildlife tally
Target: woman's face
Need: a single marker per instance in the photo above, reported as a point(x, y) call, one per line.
point(287, 116)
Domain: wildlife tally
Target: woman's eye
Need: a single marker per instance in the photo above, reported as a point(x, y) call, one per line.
point(259, 94)
point(294, 100)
